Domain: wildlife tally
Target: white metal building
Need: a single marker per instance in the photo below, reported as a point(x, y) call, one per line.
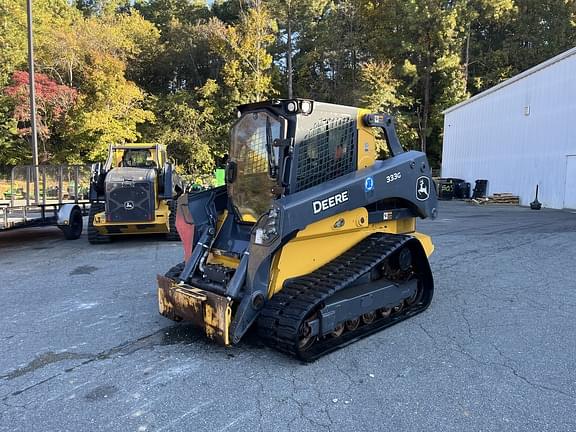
point(518, 134)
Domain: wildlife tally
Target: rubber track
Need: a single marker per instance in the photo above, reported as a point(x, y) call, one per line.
point(281, 318)
point(173, 233)
point(94, 236)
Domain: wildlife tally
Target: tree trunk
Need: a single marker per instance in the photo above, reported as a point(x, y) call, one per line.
point(467, 59)
point(70, 74)
point(289, 50)
point(426, 105)
point(258, 40)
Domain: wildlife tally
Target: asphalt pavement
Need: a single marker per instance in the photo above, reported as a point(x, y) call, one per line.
point(82, 347)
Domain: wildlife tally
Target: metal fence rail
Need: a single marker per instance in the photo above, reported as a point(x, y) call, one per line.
point(32, 193)
point(56, 184)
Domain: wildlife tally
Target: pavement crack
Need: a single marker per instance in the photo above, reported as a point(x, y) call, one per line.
point(50, 357)
point(17, 392)
point(42, 360)
point(351, 381)
point(526, 380)
point(539, 386)
point(260, 386)
point(513, 370)
point(468, 326)
point(303, 415)
point(430, 335)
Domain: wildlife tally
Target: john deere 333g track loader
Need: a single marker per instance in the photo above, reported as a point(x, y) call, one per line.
point(312, 239)
point(134, 192)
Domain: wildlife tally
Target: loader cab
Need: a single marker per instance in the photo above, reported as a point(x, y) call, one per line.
point(281, 147)
point(253, 158)
point(136, 156)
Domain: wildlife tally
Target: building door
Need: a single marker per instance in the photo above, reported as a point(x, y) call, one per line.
point(570, 191)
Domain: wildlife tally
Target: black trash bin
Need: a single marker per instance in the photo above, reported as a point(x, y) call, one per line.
point(462, 190)
point(480, 189)
point(446, 188)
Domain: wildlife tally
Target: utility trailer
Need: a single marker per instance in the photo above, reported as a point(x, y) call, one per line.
point(45, 195)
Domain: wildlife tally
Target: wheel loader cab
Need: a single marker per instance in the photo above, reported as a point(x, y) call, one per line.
point(136, 156)
point(305, 198)
point(134, 192)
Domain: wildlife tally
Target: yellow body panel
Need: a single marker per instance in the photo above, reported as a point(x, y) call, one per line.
point(330, 238)
point(160, 224)
point(226, 261)
point(425, 241)
point(215, 256)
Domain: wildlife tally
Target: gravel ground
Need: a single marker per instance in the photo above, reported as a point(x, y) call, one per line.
point(84, 349)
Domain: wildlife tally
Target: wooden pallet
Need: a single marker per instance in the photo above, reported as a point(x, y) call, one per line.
point(497, 199)
point(505, 198)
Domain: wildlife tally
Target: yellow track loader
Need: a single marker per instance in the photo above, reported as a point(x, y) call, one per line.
point(312, 239)
point(134, 192)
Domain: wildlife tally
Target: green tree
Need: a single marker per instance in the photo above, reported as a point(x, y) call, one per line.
point(190, 128)
point(12, 39)
point(294, 18)
point(189, 63)
point(330, 52)
point(222, 64)
point(180, 61)
point(48, 14)
point(92, 54)
point(478, 18)
point(527, 34)
point(381, 93)
point(247, 71)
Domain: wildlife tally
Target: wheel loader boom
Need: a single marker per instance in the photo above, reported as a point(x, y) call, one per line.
point(304, 188)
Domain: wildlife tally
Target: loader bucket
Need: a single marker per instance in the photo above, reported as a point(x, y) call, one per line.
point(204, 309)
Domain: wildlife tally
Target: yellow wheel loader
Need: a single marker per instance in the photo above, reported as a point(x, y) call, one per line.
point(312, 240)
point(134, 192)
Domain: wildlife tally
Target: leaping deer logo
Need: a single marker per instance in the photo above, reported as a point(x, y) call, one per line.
point(423, 188)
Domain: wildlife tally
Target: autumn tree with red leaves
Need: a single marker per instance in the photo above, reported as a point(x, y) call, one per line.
point(53, 102)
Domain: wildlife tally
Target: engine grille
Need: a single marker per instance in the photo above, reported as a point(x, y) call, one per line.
point(326, 152)
point(129, 202)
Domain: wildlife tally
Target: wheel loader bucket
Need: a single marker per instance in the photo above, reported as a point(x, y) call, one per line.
point(204, 309)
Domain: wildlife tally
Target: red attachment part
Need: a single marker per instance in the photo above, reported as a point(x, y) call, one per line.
point(186, 231)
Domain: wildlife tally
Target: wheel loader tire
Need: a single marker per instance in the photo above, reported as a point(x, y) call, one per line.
point(94, 236)
point(172, 235)
point(73, 230)
point(175, 271)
